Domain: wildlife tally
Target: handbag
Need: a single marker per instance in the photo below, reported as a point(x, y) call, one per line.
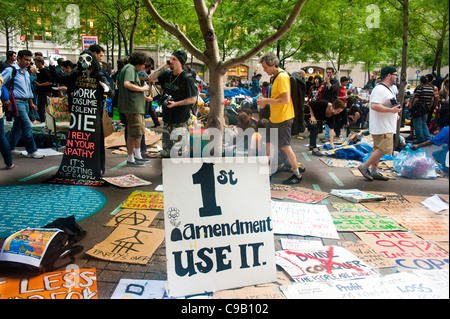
point(11, 110)
point(419, 109)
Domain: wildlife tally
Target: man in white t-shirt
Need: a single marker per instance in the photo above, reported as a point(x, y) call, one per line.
point(383, 116)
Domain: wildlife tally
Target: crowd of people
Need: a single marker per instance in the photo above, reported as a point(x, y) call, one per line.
point(331, 104)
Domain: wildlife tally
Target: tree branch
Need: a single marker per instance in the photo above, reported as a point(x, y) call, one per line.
point(267, 41)
point(213, 7)
point(175, 31)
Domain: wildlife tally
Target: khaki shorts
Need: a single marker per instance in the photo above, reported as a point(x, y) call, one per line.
point(135, 125)
point(383, 143)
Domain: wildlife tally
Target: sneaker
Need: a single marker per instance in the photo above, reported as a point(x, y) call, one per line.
point(35, 155)
point(16, 152)
point(141, 160)
point(366, 173)
point(135, 164)
point(379, 177)
point(292, 180)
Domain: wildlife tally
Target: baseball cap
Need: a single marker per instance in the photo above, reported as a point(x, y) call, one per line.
point(387, 70)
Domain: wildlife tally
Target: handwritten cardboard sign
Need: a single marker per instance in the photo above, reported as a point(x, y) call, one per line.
point(71, 284)
point(133, 217)
point(129, 180)
point(364, 222)
point(217, 237)
point(408, 251)
point(145, 200)
point(435, 229)
point(417, 285)
point(349, 207)
point(299, 194)
point(367, 254)
point(303, 219)
point(131, 244)
point(331, 263)
point(140, 289)
point(356, 195)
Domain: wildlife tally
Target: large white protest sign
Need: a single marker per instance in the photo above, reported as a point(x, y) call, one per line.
point(417, 285)
point(330, 263)
point(219, 231)
point(303, 219)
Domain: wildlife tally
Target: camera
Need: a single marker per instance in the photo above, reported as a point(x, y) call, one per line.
point(394, 102)
point(165, 100)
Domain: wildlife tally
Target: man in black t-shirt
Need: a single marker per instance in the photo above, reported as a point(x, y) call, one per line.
point(180, 85)
point(44, 85)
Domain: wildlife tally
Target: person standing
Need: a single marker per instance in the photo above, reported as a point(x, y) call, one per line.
point(179, 84)
point(132, 100)
point(281, 114)
point(18, 77)
point(11, 58)
point(43, 86)
point(5, 149)
point(330, 93)
point(424, 94)
point(384, 110)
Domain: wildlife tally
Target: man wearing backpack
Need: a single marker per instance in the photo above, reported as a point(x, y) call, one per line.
point(281, 113)
point(18, 78)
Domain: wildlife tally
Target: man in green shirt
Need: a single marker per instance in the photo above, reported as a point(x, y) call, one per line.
point(132, 100)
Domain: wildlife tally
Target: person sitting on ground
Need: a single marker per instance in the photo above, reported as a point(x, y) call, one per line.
point(441, 156)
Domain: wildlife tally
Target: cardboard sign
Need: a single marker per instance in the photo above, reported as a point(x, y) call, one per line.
point(217, 236)
point(364, 222)
point(299, 194)
point(349, 207)
point(435, 229)
point(331, 263)
point(367, 254)
point(303, 219)
point(145, 200)
point(133, 217)
point(417, 285)
point(84, 156)
point(140, 289)
point(408, 251)
point(130, 244)
point(129, 180)
point(74, 284)
point(356, 195)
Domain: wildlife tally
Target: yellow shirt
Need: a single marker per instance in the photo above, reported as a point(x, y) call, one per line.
point(281, 112)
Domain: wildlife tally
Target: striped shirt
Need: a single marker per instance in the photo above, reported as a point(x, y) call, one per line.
point(425, 93)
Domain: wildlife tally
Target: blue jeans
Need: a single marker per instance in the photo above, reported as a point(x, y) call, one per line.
point(440, 155)
point(22, 126)
point(421, 129)
point(4, 145)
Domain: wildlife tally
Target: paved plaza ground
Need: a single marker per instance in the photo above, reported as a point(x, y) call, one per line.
point(318, 176)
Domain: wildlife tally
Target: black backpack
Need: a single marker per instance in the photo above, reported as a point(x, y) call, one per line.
point(298, 89)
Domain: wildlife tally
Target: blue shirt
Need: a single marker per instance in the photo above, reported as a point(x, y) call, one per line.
point(22, 83)
point(441, 137)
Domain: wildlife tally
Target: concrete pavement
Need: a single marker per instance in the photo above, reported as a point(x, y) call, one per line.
point(318, 176)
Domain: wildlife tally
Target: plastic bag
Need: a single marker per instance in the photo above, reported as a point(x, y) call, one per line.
point(415, 164)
